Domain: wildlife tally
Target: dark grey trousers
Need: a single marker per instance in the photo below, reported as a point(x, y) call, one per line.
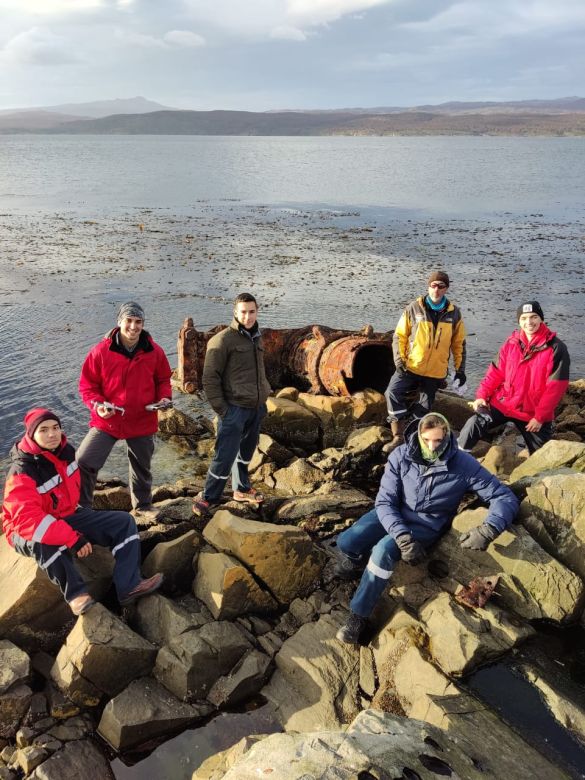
point(93, 452)
point(405, 384)
point(479, 424)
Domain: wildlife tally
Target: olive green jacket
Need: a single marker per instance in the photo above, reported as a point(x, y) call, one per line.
point(233, 372)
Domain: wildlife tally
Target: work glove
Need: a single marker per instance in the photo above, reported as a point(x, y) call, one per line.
point(478, 538)
point(411, 551)
point(460, 377)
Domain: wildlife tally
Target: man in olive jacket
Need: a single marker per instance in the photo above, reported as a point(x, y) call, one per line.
point(235, 384)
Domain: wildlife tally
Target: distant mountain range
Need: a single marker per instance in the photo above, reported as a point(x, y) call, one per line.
point(139, 116)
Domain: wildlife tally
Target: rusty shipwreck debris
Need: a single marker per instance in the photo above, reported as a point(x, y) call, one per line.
point(315, 358)
point(478, 592)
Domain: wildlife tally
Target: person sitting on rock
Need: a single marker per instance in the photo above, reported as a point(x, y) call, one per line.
point(524, 385)
point(235, 384)
point(428, 332)
point(42, 518)
point(423, 483)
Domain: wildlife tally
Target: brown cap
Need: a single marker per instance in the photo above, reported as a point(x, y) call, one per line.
point(439, 276)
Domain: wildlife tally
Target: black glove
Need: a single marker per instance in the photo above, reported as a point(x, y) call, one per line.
point(460, 377)
point(411, 551)
point(479, 538)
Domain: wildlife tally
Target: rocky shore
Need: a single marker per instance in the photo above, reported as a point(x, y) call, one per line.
point(250, 608)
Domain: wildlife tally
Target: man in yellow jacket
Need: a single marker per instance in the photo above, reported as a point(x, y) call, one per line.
point(429, 330)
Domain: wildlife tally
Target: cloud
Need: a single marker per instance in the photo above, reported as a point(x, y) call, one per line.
point(318, 12)
point(184, 38)
point(49, 6)
point(38, 46)
point(286, 33)
point(139, 39)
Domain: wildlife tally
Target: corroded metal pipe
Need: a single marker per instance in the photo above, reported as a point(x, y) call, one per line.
point(315, 359)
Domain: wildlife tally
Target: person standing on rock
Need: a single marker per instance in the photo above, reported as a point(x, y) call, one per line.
point(121, 377)
point(424, 481)
point(234, 381)
point(524, 385)
point(429, 330)
point(42, 518)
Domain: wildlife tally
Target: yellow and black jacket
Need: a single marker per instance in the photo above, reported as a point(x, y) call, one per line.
point(423, 348)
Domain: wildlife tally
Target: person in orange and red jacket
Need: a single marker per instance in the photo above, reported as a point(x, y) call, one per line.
point(42, 518)
point(122, 375)
point(524, 385)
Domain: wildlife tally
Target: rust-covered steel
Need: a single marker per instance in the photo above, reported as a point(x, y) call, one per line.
point(315, 358)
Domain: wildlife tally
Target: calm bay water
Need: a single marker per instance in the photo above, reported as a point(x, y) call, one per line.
point(340, 231)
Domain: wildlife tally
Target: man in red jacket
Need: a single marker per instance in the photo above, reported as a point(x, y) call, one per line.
point(121, 377)
point(524, 385)
point(42, 518)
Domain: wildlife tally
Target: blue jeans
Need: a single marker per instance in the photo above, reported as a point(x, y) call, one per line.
point(116, 530)
point(368, 537)
point(237, 438)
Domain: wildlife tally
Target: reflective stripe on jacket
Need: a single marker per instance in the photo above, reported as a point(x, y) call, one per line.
point(129, 382)
point(423, 349)
point(41, 489)
point(529, 378)
point(414, 491)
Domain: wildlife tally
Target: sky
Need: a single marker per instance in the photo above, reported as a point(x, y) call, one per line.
point(262, 55)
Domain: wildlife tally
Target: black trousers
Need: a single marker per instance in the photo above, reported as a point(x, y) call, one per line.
point(480, 424)
point(405, 384)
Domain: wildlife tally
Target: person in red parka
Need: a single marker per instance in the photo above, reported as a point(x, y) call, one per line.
point(524, 385)
point(42, 518)
point(121, 377)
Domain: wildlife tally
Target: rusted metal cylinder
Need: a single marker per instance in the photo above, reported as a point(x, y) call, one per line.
point(315, 359)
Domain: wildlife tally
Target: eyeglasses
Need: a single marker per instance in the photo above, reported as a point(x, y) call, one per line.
point(438, 285)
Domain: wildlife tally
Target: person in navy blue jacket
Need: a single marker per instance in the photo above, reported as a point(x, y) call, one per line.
point(423, 483)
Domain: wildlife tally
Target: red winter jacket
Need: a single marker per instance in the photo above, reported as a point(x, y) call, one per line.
point(42, 488)
point(108, 374)
point(529, 378)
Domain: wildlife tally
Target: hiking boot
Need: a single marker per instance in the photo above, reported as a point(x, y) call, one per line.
point(397, 427)
point(251, 496)
point(80, 604)
point(143, 588)
point(353, 628)
point(347, 568)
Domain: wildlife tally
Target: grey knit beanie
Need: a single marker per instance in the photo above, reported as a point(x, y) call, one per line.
point(130, 309)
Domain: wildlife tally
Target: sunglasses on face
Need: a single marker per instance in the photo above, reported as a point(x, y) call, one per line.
point(438, 285)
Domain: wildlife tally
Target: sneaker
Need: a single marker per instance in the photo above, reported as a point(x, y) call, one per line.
point(251, 496)
point(80, 604)
point(347, 568)
point(201, 506)
point(145, 512)
point(143, 588)
point(351, 631)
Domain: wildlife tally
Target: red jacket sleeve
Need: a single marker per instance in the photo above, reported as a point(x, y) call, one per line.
point(493, 378)
point(30, 519)
point(162, 376)
point(556, 384)
point(90, 387)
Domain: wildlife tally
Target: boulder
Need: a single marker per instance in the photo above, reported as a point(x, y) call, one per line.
point(315, 685)
point(554, 455)
point(501, 459)
point(113, 498)
point(176, 423)
point(13, 706)
point(461, 638)
point(299, 478)
point(65, 764)
point(532, 583)
point(554, 513)
point(567, 712)
point(273, 450)
point(159, 619)
point(454, 408)
point(228, 589)
point(338, 415)
point(15, 666)
point(290, 393)
point(291, 424)
point(29, 602)
point(143, 711)
point(175, 560)
point(101, 656)
point(280, 556)
point(29, 758)
point(243, 682)
point(191, 663)
point(376, 745)
point(347, 501)
point(417, 682)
